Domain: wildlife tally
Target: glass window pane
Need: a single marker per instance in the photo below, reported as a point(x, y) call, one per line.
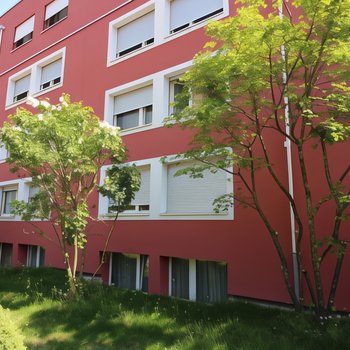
point(180, 278)
point(128, 120)
point(211, 281)
point(148, 115)
point(124, 271)
point(6, 254)
point(9, 196)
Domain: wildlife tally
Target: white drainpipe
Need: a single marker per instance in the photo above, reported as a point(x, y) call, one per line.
point(1, 30)
point(288, 146)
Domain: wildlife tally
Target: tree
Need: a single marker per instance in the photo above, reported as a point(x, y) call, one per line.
point(275, 73)
point(62, 149)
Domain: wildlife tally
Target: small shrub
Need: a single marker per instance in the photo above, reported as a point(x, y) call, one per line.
point(10, 336)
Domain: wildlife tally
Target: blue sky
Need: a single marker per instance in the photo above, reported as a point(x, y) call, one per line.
point(6, 4)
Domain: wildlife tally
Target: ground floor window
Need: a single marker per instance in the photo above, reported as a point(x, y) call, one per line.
point(180, 278)
point(35, 256)
point(211, 281)
point(129, 271)
point(5, 254)
point(198, 280)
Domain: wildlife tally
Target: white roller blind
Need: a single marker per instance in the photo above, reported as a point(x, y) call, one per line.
point(133, 100)
point(51, 71)
point(193, 196)
point(22, 85)
point(142, 196)
point(135, 32)
point(54, 7)
point(24, 29)
point(3, 152)
point(186, 11)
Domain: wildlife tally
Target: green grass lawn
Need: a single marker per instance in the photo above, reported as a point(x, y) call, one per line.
point(108, 318)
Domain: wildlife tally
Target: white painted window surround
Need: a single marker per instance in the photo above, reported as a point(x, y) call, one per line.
point(158, 197)
point(23, 187)
point(160, 94)
point(49, 70)
point(23, 33)
point(55, 7)
point(172, 18)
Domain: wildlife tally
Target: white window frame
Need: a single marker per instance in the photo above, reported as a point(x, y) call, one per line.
point(170, 160)
point(158, 196)
point(4, 191)
point(131, 16)
point(192, 275)
point(196, 21)
point(142, 111)
point(28, 36)
point(62, 8)
point(127, 88)
point(22, 187)
point(138, 268)
point(35, 71)
point(104, 202)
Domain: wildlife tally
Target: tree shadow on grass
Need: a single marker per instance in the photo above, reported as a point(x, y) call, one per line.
point(67, 328)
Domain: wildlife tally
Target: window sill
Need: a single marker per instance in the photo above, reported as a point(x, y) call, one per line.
point(44, 91)
point(195, 26)
point(121, 215)
point(7, 217)
point(192, 214)
point(18, 47)
point(135, 129)
point(46, 29)
point(114, 61)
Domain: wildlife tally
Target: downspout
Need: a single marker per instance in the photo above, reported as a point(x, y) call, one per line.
point(1, 30)
point(288, 146)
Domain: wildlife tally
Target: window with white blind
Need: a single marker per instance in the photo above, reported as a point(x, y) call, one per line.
point(185, 13)
point(134, 108)
point(8, 194)
point(141, 202)
point(55, 11)
point(35, 256)
point(24, 32)
point(186, 195)
point(3, 153)
point(21, 88)
point(129, 271)
point(135, 35)
point(51, 74)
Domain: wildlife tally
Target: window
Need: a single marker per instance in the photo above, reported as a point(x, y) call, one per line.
point(129, 271)
point(140, 204)
point(185, 13)
point(133, 109)
point(193, 196)
point(5, 254)
point(3, 153)
point(211, 281)
point(21, 88)
point(198, 280)
point(180, 278)
point(175, 88)
point(135, 35)
point(36, 79)
point(33, 190)
point(55, 12)
point(35, 256)
point(51, 74)
point(24, 32)
point(9, 194)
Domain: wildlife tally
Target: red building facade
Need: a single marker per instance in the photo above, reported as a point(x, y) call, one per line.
point(123, 58)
